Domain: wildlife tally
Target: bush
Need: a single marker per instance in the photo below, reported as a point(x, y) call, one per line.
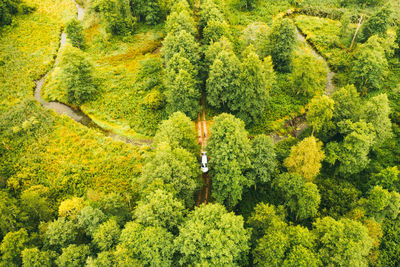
point(75, 33)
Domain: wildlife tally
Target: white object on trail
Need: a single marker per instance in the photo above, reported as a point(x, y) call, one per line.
point(204, 167)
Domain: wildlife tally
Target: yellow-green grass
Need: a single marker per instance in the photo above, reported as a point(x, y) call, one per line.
point(28, 47)
point(117, 106)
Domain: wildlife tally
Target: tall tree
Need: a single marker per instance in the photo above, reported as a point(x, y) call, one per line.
point(378, 23)
point(178, 21)
point(209, 11)
point(228, 148)
point(382, 204)
point(73, 255)
point(75, 33)
point(11, 247)
point(107, 234)
point(178, 131)
point(212, 236)
point(33, 257)
point(305, 158)
point(320, 113)
point(182, 42)
point(283, 40)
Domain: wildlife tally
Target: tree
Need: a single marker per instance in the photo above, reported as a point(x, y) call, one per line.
point(257, 35)
point(247, 4)
point(209, 11)
point(70, 208)
point(390, 243)
point(178, 21)
point(77, 72)
point(387, 178)
point(181, 42)
point(398, 41)
point(342, 243)
point(106, 236)
point(73, 256)
point(347, 104)
point(320, 113)
point(60, 234)
point(33, 257)
point(305, 158)
point(283, 39)
point(183, 94)
point(228, 148)
point(377, 111)
point(9, 212)
point(74, 31)
point(177, 168)
point(160, 208)
point(114, 205)
point(149, 11)
point(215, 49)
point(378, 23)
point(212, 236)
point(214, 30)
point(370, 67)
point(117, 16)
point(104, 258)
point(256, 80)
point(263, 159)
point(309, 76)
point(152, 246)
point(382, 204)
point(89, 219)
point(35, 203)
point(11, 247)
point(178, 131)
point(302, 198)
point(223, 82)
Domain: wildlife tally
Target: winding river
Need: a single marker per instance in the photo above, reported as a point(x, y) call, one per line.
point(78, 115)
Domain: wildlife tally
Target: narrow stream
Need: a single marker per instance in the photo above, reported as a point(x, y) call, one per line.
point(77, 115)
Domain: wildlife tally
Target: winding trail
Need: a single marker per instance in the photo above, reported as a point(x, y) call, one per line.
point(77, 115)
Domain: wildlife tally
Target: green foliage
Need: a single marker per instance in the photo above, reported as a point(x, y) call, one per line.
point(182, 21)
point(117, 16)
point(214, 30)
point(389, 246)
point(370, 66)
point(89, 219)
point(347, 104)
point(283, 38)
point(209, 11)
point(228, 148)
point(320, 113)
point(60, 234)
point(10, 8)
point(180, 42)
point(33, 257)
point(162, 209)
point(151, 11)
point(73, 256)
point(343, 242)
point(178, 131)
point(197, 243)
point(257, 35)
point(152, 246)
point(305, 158)
point(302, 198)
point(78, 74)
point(175, 167)
point(74, 32)
point(378, 23)
point(107, 234)
point(387, 178)
point(263, 159)
point(12, 245)
point(383, 204)
point(9, 212)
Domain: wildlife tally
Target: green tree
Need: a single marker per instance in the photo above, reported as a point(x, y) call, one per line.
point(60, 234)
point(228, 148)
point(209, 11)
point(152, 246)
point(74, 31)
point(257, 35)
point(382, 204)
point(378, 23)
point(9, 212)
point(183, 94)
point(214, 30)
point(215, 49)
point(178, 21)
point(160, 208)
point(390, 243)
point(106, 236)
point(78, 74)
point(73, 256)
point(177, 168)
point(114, 205)
point(305, 158)
point(347, 104)
point(149, 11)
point(309, 76)
point(11, 247)
point(398, 40)
point(256, 80)
point(104, 259)
point(212, 236)
point(342, 243)
point(181, 42)
point(387, 178)
point(376, 111)
point(320, 113)
point(263, 159)
point(247, 4)
point(89, 219)
point(33, 257)
point(178, 131)
point(302, 198)
point(117, 16)
point(370, 67)
point(223, 83)
point(283, 40)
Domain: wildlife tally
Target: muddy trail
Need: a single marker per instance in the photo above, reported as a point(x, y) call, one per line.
point(75, 114)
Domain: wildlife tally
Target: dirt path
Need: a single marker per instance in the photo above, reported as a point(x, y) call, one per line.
point(78, 115)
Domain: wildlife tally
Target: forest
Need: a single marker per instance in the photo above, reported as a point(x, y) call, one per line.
point(199, 133)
